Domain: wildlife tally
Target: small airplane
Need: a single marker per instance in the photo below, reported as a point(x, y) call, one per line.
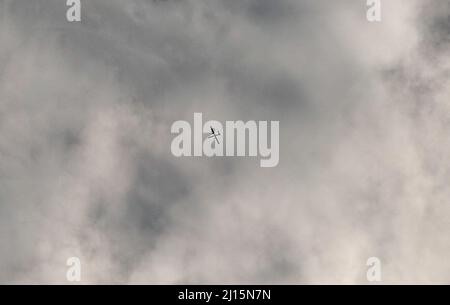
point(214, 135)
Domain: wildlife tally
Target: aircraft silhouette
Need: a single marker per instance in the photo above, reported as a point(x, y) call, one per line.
point(214, 135)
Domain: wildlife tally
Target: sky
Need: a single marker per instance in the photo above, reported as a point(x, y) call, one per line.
point(86, 169)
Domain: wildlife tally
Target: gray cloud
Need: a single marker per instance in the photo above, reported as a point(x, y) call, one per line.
point(85, 162)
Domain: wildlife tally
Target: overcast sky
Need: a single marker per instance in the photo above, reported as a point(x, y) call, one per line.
point(85, 162)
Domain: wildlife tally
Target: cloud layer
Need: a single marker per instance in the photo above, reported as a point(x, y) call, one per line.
point(85, 162)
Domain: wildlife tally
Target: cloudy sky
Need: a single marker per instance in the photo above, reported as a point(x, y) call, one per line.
point(86, 169)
